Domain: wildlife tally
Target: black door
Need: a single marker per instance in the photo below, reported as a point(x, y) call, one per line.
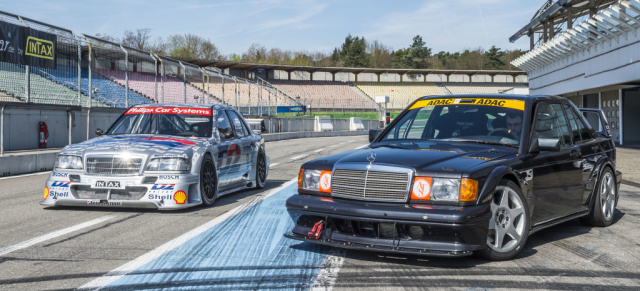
point(557, 176)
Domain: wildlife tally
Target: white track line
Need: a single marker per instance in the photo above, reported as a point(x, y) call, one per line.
point(25, 175)
point(300, 157)
point(176, 242)
point(318, 150)
point(33, 241)
point(273, 165)
point(329, 269)
point(362, 146)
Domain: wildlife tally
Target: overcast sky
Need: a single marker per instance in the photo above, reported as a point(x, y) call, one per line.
point(449, 25)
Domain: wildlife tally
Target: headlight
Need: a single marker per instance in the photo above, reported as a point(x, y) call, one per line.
point(69, 162)
point(169, 164)
point(315, 180)
point(439, 189)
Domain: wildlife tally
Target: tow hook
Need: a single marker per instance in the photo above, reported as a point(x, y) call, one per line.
point(317, 230)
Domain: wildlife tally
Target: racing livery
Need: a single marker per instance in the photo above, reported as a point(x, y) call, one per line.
point(164, 156)
point(458, 174)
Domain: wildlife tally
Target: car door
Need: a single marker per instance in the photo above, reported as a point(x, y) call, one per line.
point(244, 142)
point(557, 175)
point(591, 150)
point(227, 167)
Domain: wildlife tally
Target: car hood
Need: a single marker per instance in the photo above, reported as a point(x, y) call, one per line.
point(148, 145)
point(430, 158)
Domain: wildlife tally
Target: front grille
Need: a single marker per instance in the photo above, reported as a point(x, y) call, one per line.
point(370, 185)
point(129, 193)
point(113, 165)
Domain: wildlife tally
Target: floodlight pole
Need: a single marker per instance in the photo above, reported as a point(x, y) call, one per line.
point(155, 81)
point(222, 78)
point(236, 89)
point(184, 80)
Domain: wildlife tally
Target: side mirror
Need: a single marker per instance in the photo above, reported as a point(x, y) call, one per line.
point(544, 144)
point(373, 133)
point(99, 132)
point(226, 132)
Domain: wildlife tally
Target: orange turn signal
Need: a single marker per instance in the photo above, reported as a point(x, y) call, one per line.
point(300, 175)
point(46, 192)
point(421, 189)
point(325, 181)
point(468, 190)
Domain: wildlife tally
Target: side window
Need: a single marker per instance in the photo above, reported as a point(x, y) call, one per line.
point(237, 124)
point(550, 122)
point(223, 124)
point(579, 129)
point(412, 125)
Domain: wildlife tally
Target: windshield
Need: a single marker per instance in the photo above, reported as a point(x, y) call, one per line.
point(477, 120)
point(194, 122)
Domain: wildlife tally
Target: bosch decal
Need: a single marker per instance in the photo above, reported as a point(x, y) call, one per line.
point(169, 177)
point(61, 175)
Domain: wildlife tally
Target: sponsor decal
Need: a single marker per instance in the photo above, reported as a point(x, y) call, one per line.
point(60, 184)
point(60, 175)
point(507, 103)
point(46, 193)
point(180, 197)
point(169, 110)
point(421, 189)
point(39, 48)
point(163, 186)
point(54, 194)
point(103, 203)
point(168, 177)
point(159, 197)
point(108, 184)
point(170, 156)
point(234, 149)
point(173, 140)
point(325, 181)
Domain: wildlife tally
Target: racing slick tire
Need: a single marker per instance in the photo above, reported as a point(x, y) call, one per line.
point(261, 169)
point(606, 198)
point(509, 223)
point(208, 181)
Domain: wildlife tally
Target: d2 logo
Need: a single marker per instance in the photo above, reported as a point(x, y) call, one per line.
point(62, 184)
point(163, 186)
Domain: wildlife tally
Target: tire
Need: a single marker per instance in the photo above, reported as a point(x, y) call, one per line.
point(208, 181)
point(261, 169)
point(509, 223)
point(606, 198)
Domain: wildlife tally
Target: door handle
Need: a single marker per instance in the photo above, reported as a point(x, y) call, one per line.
point(574, 154)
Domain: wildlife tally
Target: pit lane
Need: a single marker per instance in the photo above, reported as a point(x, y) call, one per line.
point(238, 244)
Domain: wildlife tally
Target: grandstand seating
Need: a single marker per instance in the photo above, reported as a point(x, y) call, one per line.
point(42, 90)
point(325, 94)
point(400, 94)
point(104, 90)
point(481, 88)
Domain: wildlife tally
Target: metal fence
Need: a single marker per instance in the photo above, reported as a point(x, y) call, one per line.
point(91, 72)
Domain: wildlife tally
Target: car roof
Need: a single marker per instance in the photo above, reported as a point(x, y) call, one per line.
point(187, 105)
point(495, 96)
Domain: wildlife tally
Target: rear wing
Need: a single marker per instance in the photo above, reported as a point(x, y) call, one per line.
point(598, 121)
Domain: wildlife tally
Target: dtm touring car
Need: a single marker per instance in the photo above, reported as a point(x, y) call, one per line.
point(164, 156)
point(458, 174)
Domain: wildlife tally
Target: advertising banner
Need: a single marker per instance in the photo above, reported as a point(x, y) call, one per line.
point(272, 109)
point(26, 46)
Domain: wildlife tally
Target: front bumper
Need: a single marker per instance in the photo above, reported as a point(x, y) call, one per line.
point(434, 230)
point(156, 191)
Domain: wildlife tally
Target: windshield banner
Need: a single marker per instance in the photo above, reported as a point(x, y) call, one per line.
point(169, 110)
point(506, 103)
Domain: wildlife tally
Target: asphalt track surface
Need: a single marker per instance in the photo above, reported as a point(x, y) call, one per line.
point(238, 244)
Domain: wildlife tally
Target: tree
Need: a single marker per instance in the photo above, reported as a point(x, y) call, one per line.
point(354, 52)
point(380, 56)
point(139, 39)
point(416, 56)
point(494, 58)
point(191, 46)
point(107, 37)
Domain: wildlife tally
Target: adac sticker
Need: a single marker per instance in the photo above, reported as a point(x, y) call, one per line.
point(505, 103)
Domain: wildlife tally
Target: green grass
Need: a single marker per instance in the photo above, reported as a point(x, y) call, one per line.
point(337, 115)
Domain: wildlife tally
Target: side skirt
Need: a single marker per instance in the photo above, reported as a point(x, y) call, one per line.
point(543, 225)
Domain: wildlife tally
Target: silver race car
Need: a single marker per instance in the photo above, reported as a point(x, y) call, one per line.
point(164, 156)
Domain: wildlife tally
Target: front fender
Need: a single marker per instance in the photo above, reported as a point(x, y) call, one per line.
point(521, 178)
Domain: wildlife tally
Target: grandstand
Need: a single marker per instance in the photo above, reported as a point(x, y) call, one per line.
point(326, 95)
point(400, 94)
point(481, 88)
point(42, 89)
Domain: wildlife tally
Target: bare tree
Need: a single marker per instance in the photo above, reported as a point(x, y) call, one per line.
point(191, 46)
point(139, 39)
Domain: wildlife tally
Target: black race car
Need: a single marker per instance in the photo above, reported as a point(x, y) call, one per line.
point(458, 174)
